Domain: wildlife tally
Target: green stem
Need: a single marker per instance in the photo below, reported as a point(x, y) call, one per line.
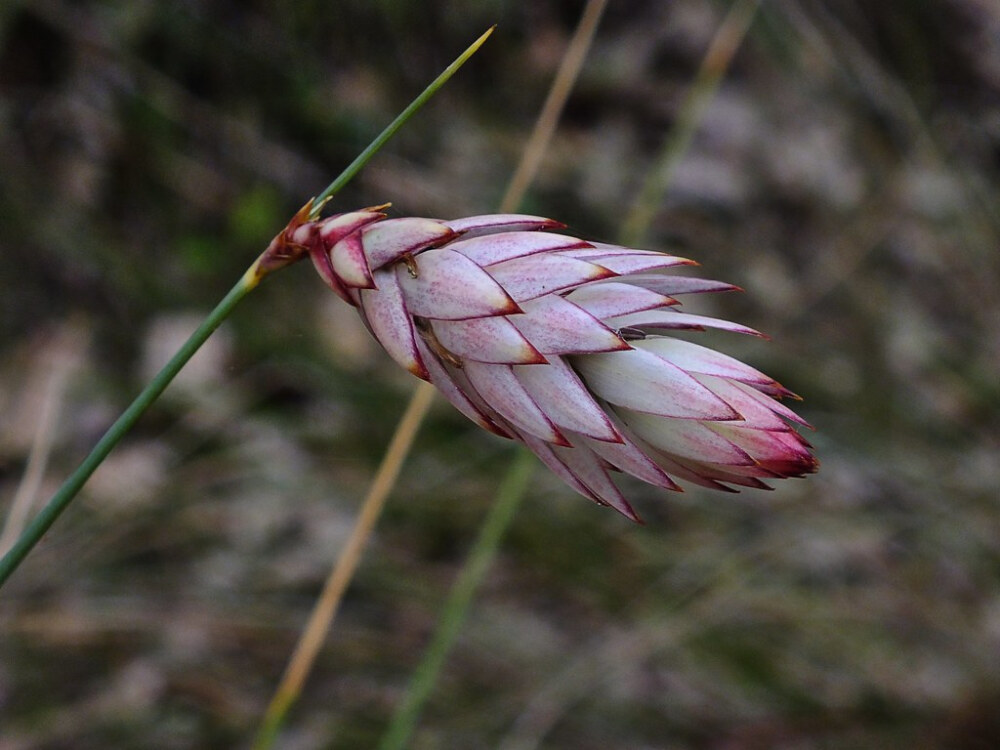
point(502, 511)
point(264, 265)
point(396, 124)
point(59, 502)
point(713, 68)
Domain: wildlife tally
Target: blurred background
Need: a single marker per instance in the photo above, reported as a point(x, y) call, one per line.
point(847, 175)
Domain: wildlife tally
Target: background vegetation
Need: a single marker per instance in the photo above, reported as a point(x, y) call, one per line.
point(847, 175)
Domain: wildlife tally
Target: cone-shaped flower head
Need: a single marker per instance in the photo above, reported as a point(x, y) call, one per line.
point(564, 345)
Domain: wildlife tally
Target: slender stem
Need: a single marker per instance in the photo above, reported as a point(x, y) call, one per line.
point(258, 270)
point(326, 606)
point(355, 166)
point(323, 613)
point(713, 67)
point(456, 609)
point(548, 118)
point(58, 365)
point(407, 713)
point(64, 496)
point(325, 610)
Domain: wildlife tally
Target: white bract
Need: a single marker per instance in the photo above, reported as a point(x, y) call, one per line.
point(563, 345)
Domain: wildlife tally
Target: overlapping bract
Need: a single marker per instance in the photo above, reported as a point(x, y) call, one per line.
point(559, 343)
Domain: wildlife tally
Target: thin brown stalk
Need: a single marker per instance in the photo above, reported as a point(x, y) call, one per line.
point(329, 600)
point(545, 125)
point(582, 675)
point(63, 356)
point(325, 610)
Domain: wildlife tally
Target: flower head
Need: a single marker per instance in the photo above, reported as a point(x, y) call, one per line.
point(562, 344)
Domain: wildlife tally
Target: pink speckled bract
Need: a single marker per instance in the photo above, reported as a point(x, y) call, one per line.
point(563, 345)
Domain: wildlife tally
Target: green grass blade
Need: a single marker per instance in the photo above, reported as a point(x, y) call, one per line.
point(41, 523)
point(456, 609)
point(355, 166)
